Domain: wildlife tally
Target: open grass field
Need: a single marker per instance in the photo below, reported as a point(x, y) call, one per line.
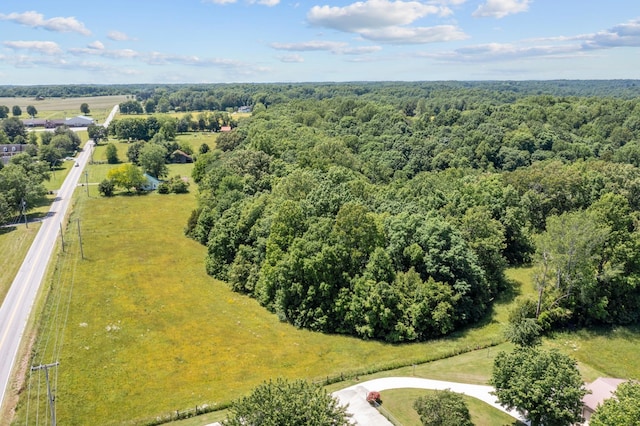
point(14, 244)
point(57, 108)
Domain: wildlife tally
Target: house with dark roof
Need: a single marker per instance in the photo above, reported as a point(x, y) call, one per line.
point(181, 157)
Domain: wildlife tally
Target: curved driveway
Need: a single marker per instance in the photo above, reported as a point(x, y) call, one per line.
point(364, 414)
point(16, 307)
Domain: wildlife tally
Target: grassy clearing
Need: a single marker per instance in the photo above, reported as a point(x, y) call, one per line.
point(14, 245)
point(399, 402)
point(197, 139)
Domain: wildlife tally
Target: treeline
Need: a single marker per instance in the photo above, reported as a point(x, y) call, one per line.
point(196, 97)
point(395, 218)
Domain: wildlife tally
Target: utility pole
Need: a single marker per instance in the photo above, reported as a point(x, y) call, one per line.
point(24, 211)
point(86, 178)
point(46, 368)
point(80, 237)
point(62, 237)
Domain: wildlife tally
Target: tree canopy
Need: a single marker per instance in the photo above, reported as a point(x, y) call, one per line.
point(21, 180)
point(282, 402)
point(443, 408)
point(622, 409)
point(394, 217)
point(544, 386)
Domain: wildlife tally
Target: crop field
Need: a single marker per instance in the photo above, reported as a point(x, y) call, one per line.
point(57, 108)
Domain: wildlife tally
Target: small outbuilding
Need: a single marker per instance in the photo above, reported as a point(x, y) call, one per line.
point(79, 121)
point(181, 157)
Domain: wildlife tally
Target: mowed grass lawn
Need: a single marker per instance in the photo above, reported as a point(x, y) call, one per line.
point(15, 242)
point(399, 402)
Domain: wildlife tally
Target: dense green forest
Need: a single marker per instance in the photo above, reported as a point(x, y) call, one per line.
point(196, 97)
point(394, 216)
point(391, 210)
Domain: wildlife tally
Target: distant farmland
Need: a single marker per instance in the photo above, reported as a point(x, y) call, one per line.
point(62, 107)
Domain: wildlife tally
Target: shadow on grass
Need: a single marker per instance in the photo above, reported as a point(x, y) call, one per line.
point(7, 228)
point(505, 300)
point(629, 332)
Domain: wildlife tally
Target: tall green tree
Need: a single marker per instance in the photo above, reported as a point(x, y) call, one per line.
point(111, 153)
point(97, 132)
point(14, 127)
point(127, 176)
point(153, 159)
point(622, 409)
point(84, 108)
point(567, 253)
point(32, 111)
point(442, 408)
point(544, 386)
point(282, 402)
point(21, 180)
point(16, 111)
point(50, 154)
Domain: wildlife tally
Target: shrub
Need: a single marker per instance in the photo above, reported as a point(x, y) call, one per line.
point(106, 187)
point(163, 188)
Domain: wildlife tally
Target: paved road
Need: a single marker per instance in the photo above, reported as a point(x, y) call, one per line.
point(364, 414)
point(17, 305)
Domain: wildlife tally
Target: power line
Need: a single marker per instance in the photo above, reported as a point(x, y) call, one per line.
point(50, 396)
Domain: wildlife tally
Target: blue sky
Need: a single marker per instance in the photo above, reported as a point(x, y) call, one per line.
point(224, 41)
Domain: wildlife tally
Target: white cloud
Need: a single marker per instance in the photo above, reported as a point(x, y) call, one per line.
point(618, 36)
point(269, 3)
point(96, 45)
point(501, 8)
point(371, 14)
point(94, 50)
point(44, 47)
point(419, 35)
point(291, 58)
point(363, 50)
point(387, 21)
point(309, 46)
point(338, 48)
point(118, 36)
point(36, 20)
